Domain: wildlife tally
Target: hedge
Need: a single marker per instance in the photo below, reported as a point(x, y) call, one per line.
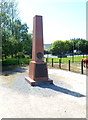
point(15, 61)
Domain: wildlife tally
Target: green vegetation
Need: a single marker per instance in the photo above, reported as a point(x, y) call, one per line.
point(77, 59)
point(73, 46)
point(15, 61)
point(24, 61)
point(14, 34)
point(17, 42)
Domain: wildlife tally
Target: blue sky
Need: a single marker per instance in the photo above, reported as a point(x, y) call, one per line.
point(62, 19)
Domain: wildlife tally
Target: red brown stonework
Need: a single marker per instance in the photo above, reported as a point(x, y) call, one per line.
point(38, 71)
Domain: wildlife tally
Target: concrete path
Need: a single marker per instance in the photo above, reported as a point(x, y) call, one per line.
point(66, 98)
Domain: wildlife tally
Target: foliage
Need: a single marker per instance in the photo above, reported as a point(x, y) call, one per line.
point(15, 61)
point(16, 41)
point(15, 37)
point(27, 44)
point(47, 52)
point(57, 47)
point(82, 46)
point(73, 46)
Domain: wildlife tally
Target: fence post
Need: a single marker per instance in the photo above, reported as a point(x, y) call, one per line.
point(69, 65)
point(46, 59)
point(60, 63)
point(52, 62)
point(81, 67)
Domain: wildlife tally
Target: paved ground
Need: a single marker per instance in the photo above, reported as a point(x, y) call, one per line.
point(66, 98)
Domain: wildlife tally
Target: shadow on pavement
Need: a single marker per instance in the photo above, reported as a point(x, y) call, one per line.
point(61, 89)
point(13, 71)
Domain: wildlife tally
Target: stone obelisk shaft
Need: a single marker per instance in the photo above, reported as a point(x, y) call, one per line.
point(38, 71)
point(37, 43)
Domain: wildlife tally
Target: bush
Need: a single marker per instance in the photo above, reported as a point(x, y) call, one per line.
point(9, 62)
point(15, 61)
point(25, 61)
point(21, 55)
point(27, 56)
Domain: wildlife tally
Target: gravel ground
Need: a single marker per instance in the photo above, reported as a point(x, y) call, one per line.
point(66, 98)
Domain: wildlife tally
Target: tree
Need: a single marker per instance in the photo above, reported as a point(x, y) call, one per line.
point(15, 37)
point(6, 18)
point(82, 46)
point(27, 44)
point(77, 44)
point(67, 47)
point(47, 52)
point(58, 47)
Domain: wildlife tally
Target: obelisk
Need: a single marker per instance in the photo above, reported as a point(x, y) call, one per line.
point(38, 71)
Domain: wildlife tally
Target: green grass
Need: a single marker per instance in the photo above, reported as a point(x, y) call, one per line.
point(65, 60)
point(16, 61)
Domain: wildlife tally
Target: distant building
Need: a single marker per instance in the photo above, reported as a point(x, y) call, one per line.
point(46, 46)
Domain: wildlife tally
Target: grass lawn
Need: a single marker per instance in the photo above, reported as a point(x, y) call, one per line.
point(77, 59)
point(16, 61)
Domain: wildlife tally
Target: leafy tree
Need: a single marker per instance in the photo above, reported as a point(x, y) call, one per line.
point(67, 47)
point(62, 47)
point(14, 46)
point(47, 52)
point(15, 37)
point(27, 44)
point(58, 47)
point(6, 23)
point(82, 46)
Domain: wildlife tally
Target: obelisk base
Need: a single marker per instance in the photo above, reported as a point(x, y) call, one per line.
point(32, 82)
point(38, 73)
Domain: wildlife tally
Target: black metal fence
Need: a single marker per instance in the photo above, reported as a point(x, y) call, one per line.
point(77, 67)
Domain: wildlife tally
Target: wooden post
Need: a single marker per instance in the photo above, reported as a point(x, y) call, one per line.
point(52, 62)
point(60, 63)
point(69, 65)
point(81, 67)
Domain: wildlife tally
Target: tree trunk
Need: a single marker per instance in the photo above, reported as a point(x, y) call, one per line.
point(5, 56)
point(12, 56)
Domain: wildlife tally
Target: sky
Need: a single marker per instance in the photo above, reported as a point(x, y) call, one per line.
point(62, 19)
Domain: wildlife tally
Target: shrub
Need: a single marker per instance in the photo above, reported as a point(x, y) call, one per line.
point(15, 61)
